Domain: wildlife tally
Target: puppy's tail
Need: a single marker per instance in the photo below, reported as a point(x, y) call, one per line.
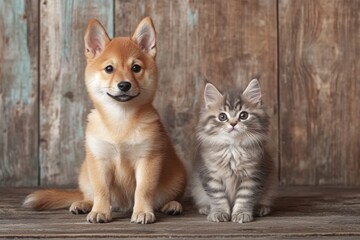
point(52, 199)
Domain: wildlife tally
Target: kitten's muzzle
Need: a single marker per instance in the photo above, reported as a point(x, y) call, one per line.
point(233, 124)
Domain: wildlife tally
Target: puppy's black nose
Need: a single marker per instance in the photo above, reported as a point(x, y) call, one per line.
point(124, 86)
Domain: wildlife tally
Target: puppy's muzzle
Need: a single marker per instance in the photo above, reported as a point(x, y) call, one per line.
point(124, 96)
point(124, 86)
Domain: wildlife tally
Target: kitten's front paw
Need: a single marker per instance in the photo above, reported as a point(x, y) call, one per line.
point(241, 217)
point(143, 217)
point(98, 217)
point(218, 217)
point(204, 210)
point(262, 210)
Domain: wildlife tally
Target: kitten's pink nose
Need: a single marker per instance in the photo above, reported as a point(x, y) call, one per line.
point(233, 124)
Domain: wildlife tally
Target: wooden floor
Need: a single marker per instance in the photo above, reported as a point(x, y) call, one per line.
point(299, 213)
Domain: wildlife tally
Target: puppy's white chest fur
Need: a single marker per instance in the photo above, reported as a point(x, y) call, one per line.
point(134, 145)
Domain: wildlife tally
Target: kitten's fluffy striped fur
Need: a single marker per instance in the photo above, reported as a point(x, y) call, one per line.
point(233, 177)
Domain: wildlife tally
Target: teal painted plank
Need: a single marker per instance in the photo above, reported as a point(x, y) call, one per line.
point(18, 93)
point(64, 103)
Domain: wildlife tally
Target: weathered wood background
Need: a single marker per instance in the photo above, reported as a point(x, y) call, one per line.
point(306, 51)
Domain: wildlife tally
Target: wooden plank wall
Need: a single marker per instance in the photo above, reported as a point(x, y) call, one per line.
point(19, 36)
point(198, 42)
point(305, 51)
point(63, 98)
point(319, 92)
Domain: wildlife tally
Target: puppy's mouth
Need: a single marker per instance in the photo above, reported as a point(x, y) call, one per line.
point(123, 97)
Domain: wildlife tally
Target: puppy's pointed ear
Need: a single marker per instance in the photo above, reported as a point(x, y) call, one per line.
point(145, 36)
point(96, 38)
point(212, 95)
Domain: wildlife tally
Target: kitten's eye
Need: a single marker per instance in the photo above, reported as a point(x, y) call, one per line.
point(136, 68)
point(222, 117)
point(109, 69)
point(243, 115)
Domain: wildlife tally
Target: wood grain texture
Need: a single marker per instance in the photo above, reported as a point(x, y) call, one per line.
point(63, 98)
point(319, 91)
point(18, 93)
point(299, 213)
point(225, 42)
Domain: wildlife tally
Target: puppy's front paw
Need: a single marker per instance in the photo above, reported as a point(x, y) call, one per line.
point(218, 217)
point(143, 217)
point(98, 217)
point(241, 217)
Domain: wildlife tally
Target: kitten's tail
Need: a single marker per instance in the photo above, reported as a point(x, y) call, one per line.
point(52, 199)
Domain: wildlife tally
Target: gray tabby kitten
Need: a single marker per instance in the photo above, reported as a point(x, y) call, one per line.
point(233, 175)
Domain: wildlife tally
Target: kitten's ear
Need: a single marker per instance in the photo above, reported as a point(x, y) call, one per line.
point(253, 91)
point(145, 36)
point(212, 95)
point(96, 38)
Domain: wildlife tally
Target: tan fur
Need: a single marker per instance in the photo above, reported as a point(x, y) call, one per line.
point(130, 161)
point(52, 199)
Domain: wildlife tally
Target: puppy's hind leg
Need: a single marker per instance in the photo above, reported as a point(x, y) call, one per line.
point(172, 208)
point(81, 207)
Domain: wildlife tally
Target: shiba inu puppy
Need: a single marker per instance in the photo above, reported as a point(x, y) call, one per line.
point(130, 162)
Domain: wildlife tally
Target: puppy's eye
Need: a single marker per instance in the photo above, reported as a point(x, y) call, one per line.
point(109, 69)
point(222, 117)
point(243, 115)
point(136, 68)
